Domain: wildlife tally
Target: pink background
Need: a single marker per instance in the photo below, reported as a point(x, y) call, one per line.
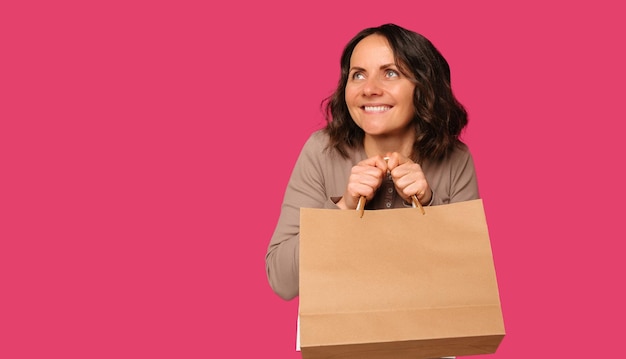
point(145, 147)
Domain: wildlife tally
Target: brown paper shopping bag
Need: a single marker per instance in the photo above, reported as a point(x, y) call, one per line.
point(398, 284)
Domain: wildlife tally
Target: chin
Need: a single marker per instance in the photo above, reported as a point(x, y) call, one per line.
point(377, 133)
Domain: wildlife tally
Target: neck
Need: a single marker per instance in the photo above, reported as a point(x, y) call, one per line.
point(381, 145)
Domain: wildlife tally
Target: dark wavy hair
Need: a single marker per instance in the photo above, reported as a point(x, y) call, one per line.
point(439, 117)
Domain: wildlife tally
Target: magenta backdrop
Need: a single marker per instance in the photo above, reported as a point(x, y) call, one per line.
point(145, 147)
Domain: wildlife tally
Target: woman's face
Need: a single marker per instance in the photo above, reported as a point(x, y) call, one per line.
point(378, 96)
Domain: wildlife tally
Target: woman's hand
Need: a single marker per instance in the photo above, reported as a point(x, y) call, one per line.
point(365, 178)
point(408, 178)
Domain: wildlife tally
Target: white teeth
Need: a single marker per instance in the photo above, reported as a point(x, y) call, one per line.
point(376, 108)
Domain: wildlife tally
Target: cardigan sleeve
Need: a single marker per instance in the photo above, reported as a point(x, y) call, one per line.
point(454, 179)
point(306, 188)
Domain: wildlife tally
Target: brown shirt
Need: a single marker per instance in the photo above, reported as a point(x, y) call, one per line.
point(320, 178)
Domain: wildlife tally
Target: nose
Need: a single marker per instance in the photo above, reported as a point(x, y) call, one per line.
point(372, 87)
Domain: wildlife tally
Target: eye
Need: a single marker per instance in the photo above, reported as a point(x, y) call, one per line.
point(358, 76)
point(392, 73)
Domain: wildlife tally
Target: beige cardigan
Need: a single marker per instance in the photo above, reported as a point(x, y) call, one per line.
point(320, 178)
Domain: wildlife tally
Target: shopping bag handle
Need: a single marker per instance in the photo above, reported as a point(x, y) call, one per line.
point(360, 206)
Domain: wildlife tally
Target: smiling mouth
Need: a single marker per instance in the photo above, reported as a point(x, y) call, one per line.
point(376, 108)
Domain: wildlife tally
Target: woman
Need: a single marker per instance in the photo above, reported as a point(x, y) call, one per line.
point(393, 127)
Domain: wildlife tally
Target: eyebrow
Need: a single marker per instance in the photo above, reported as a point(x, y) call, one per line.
point(382, 67)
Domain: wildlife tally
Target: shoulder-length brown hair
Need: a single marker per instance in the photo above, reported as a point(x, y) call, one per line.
point(439, 117)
